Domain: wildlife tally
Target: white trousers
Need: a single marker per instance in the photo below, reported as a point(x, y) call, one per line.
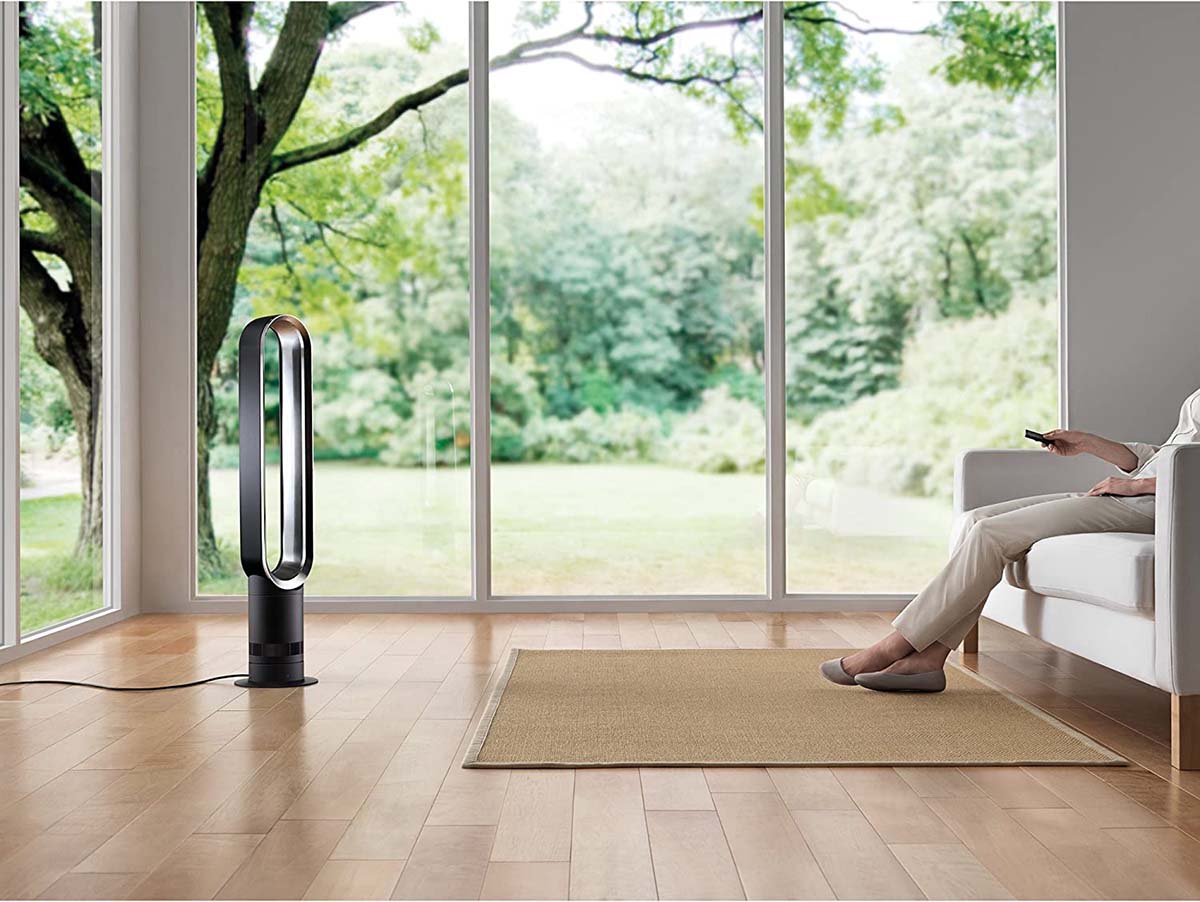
point(989, 537)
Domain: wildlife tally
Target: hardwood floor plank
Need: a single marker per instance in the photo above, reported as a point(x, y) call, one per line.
point(390, 721)
point(152, 835)
point(29, 869)
point(535, 818)
point(636, 631)
point(948, 871)
point(610, 848)
point(564, 634)
point(280, 724)
point(469, 798)
point(527, 879)
point(436, 661)
point(91, 886)
point(708, 632)
point(281, 781)
point(185, 711)
point(746, 634)
point(387, 825)
point(896, 812)
point(772, 859)
point(675, 789)
point(738, 779)
point(1026, 868)
point(1013, 787)
point(1171, 802)
point(1102, 804)
point(853, 858)
point(20, 782)
point(810, 789)
point(355, 880)
point(447, 863)
point(286, 862)
point(41, 808)
point(1170, 849)
point(691, 857)
point(674, 634)
point(600, 624)
point(342, 785)
point(1107, 865)
point(940, 783)
point(198, 867)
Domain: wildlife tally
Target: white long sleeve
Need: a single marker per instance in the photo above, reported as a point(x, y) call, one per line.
point(1144, 452)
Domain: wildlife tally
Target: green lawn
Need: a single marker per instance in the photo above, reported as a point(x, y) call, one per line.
point(574, 529)
point(559, 529)
point(56, 584)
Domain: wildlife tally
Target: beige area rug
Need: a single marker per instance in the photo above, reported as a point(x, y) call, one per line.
point(730, 707)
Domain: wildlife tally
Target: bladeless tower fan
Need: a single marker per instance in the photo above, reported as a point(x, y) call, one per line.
point(276, 593)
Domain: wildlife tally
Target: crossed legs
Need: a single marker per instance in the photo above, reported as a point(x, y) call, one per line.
point(988, 538)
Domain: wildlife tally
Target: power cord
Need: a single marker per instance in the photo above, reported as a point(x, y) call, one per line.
point(228, 676)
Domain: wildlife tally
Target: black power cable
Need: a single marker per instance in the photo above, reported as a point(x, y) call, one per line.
point(228, 676)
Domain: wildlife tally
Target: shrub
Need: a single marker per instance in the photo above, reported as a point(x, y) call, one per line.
point(361, 416)
point(591, 437)
point(964, 384)
point(723, 435)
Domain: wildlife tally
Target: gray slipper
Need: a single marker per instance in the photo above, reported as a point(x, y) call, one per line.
point(832, 671)
point(931, 681)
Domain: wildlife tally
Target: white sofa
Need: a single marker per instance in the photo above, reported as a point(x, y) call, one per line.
point(1127, 601)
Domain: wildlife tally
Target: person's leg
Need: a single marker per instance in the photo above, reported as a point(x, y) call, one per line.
point(894, 647)
point(938, 618)
point(964, 522)
point(943, 611)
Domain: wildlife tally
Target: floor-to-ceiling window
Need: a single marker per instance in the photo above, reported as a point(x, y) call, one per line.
point(922, 314)
point(62, 309)
point(331, 188)
point(627, 419)
point(626, 199)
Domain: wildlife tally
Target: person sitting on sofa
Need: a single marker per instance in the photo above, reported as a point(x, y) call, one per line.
point(913, 657)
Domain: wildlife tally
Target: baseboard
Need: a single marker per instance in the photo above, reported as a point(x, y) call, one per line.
point(231, 604)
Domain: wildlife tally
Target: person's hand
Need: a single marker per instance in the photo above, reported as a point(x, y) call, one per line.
point(1116, 485)
point(1068, 442)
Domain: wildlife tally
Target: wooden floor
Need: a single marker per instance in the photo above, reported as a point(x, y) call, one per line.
point(352, 789)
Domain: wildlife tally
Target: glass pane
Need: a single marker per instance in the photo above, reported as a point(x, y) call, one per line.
point(363, 234)
point(921, 274)
point(61, 313)
point(627, 297)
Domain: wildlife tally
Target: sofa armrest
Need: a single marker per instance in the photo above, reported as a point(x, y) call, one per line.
point(983, 477)
point(1177, 570)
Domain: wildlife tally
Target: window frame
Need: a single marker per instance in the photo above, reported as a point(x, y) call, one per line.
point(118, 396)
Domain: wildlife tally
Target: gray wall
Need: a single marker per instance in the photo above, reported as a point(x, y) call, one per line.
point(165, 152)
point(1132, 203)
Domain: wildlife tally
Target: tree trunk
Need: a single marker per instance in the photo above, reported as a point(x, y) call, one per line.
point(228, 213)
point(210, 563)
point(67, 335)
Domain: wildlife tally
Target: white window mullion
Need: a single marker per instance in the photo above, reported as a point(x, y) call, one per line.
point(10, 467)
point(111, 301)
point(480, 328)
point(774, 315)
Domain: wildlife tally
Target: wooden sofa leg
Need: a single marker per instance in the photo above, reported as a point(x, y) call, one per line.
point(1185, 732)
point(970, 643)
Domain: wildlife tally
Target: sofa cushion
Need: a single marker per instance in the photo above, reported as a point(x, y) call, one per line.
point(1114, 569)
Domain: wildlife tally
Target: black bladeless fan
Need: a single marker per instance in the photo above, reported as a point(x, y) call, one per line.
point(276, 594)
